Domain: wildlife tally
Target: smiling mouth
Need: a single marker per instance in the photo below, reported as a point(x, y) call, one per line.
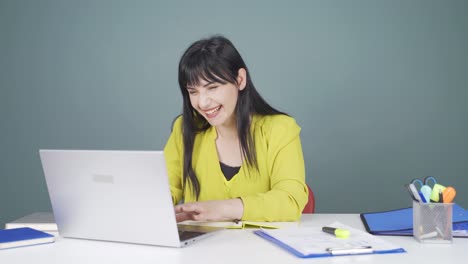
point(213, 111)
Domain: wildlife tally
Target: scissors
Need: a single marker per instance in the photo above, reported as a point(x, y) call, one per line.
point(436, 193)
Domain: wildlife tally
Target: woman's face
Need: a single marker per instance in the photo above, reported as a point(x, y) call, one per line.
point(216, 102)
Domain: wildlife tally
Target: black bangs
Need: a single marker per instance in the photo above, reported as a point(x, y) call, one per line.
point(202, 66)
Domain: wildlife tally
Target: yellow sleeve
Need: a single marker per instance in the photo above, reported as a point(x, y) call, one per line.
point(288, 192)
point(173, 153)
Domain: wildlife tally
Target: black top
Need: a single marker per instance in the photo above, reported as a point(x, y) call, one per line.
point(229, 171)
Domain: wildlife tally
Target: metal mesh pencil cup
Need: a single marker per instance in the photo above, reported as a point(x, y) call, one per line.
point(432, 222)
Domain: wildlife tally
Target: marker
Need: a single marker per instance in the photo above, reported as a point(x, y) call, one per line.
point(411, 193)
point(415, 192)
point(338, 232)
point(448, 194)
point(426, 192)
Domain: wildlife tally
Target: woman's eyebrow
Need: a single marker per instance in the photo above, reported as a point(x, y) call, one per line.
point(208, 84)
point(204, 85)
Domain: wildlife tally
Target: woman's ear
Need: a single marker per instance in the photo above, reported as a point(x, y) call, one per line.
point(241, 79)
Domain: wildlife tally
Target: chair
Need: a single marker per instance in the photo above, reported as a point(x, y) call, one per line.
point(310, 206)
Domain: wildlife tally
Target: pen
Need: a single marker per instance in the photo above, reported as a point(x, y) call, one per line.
point(338, 232)
point(423, 199)
point(350, 251)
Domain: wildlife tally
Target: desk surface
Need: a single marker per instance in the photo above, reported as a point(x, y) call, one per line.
point(231, 246)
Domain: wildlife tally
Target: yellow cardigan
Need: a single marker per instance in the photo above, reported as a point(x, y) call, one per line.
point(276, 192)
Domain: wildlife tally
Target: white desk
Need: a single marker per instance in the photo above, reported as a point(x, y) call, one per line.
point(231, 246)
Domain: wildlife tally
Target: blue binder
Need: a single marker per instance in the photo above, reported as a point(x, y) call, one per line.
point(399, 222)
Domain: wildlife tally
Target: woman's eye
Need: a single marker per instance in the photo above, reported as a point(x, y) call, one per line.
point(212, 87)
point(192, 92)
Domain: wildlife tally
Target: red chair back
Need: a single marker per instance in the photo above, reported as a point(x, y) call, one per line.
point(310, 206)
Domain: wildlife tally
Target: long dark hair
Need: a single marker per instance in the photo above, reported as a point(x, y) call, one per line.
point(215, 59)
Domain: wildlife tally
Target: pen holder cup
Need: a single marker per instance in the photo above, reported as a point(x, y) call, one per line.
point(432, 222)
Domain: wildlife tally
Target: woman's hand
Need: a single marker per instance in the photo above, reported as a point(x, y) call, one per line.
point(216, 210)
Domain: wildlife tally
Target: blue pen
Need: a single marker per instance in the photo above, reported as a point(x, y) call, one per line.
point(423, 199)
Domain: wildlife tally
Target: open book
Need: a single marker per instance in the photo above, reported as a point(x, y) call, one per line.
point(312, 242)
point(243, 224)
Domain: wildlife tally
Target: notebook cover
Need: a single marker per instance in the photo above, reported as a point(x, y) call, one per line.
point(23, 236)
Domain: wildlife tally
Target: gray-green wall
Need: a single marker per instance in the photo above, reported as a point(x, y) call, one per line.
point(378, 87)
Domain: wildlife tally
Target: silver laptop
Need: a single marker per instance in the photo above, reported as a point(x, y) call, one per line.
point(121, 196)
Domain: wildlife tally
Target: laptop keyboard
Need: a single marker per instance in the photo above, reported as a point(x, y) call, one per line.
point(184, 235)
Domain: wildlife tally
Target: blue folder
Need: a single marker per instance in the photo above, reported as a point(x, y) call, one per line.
point(399, 222)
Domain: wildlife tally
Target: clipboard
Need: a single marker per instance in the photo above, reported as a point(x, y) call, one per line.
point(311, 242)
point(399, 222)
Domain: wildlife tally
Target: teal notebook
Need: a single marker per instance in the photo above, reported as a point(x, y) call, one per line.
point(399, 222)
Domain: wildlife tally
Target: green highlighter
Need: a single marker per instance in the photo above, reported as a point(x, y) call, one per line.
point(338, 232)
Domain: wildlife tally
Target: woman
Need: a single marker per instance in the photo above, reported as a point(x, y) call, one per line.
point(231, 156)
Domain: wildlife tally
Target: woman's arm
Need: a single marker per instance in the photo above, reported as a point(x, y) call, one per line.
point(173, 155)
point(215, 210)
point(286, 170)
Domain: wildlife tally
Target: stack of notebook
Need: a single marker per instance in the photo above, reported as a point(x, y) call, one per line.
point(400, 222)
